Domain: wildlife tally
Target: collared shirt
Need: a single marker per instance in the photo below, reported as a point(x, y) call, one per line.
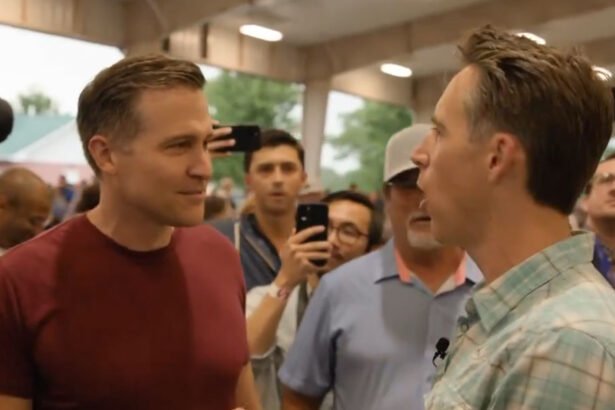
point(259, 258)
point(542, 336)
point(451, 283)
point(266, 366)
point(370, 337)
point(603, 261)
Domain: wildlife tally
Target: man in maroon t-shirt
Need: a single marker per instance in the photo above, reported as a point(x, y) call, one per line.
point(135, 305)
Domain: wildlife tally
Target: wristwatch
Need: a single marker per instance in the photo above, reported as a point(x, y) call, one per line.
point(277, 292)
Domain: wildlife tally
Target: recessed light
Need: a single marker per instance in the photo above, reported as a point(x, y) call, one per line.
point(533, 37)
point(260, 32)
point(603, 73)
point(396, 70)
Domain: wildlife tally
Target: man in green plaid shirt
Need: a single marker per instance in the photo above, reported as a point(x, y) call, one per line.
point(516, 135)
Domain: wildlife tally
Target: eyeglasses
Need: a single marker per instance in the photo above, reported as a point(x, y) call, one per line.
point(346, 233)
point(603, 178)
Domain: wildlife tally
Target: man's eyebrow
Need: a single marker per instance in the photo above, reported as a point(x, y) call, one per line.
point(437, 122)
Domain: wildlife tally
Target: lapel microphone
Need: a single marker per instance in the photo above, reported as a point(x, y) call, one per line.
point(441, 348)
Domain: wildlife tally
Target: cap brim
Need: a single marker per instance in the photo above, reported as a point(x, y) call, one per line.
point(399, 170)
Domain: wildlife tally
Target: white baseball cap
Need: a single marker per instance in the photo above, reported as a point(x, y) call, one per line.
point(400, 147)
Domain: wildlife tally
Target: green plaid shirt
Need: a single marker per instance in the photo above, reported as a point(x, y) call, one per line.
point(542, 336)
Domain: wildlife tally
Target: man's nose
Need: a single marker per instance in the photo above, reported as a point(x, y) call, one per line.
point(420, 156)
point(202, 168)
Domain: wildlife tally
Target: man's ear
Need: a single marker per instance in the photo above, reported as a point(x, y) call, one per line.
point(505, 154)
point(99, 148)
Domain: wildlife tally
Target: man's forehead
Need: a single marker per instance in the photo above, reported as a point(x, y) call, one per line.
point(345, 210)
point(606, 166)
point(276, 155)
point(458, 89)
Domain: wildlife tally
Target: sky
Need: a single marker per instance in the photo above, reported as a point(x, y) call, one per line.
point(60, 68)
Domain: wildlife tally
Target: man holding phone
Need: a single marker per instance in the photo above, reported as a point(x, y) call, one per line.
point(275, 311)
point(274, 174)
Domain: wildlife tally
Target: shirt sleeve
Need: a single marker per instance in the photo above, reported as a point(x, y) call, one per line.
point(565, 369)
point(309, 364)
point(16, 374)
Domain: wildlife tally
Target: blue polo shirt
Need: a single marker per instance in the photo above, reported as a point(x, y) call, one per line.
point(602, 261)
point(370, 337)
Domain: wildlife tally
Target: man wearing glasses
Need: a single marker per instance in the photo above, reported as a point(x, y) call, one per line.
point(369, 333)
point(274, 311)
point(599, 205)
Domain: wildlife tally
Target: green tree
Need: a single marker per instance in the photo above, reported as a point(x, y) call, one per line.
point(366, 132)
point(37, 102)
point(332, 180)
point(237, 98)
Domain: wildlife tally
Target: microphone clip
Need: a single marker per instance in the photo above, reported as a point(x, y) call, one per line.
point(441, 348)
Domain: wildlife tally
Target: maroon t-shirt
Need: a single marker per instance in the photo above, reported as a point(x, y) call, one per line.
point(88, 324)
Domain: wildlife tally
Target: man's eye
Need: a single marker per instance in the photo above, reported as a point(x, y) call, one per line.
point(182, 144)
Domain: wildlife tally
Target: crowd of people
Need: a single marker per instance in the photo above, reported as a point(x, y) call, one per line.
point(463, 286)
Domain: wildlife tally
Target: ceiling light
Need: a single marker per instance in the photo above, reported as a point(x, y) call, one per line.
point(396, 70)
point(603, 73)
point(260, 32)
point(533, 37)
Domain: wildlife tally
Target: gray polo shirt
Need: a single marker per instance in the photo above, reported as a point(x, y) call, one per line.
point(370, 337)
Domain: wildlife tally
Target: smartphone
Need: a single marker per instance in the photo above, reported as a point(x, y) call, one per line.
point(316, 214)
point(247, 138)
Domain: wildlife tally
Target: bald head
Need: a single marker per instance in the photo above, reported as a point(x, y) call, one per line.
point(15, 183)
point(25, 203)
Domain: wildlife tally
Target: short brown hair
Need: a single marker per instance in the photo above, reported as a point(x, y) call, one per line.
point(552, 101)
point(106, 105)
point(273, 138)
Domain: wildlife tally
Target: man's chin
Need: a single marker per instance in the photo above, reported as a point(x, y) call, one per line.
point(423, 241)
point(278, 209)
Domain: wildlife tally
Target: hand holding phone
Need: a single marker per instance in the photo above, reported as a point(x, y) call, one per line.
point(219, 144)
point(245, 138)
point(298, 254)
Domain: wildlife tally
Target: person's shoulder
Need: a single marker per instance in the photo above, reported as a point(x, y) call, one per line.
point(586, 305)
point(41, 247)
point(207, 236)
point(38, 254)
point(224, 226)
point(351, 281)
point(360, 269)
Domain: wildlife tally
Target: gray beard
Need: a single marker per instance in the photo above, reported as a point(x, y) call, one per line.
point(424, 242)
